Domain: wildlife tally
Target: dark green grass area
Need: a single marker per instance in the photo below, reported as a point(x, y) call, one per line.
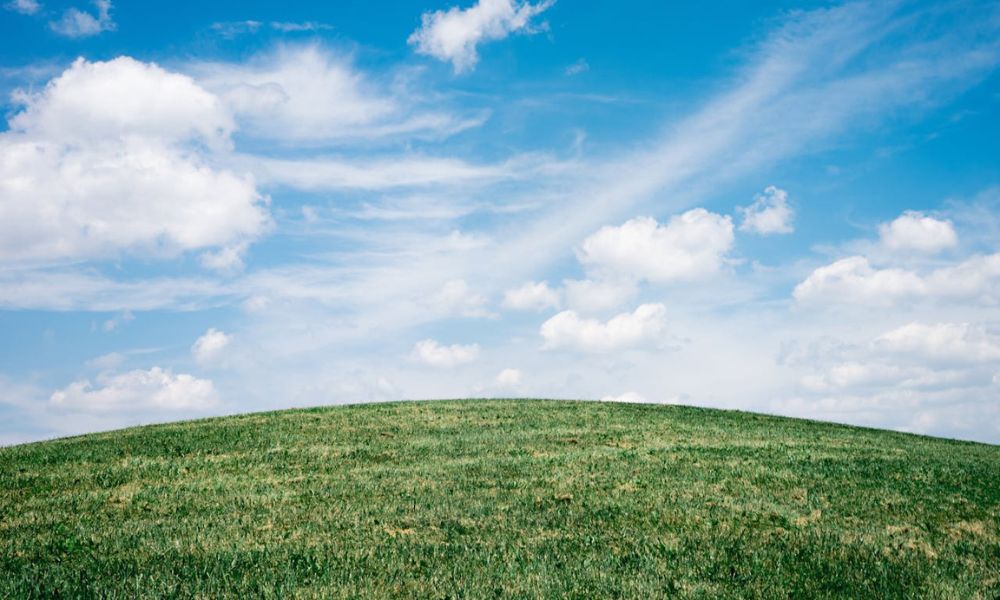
point(516, 498)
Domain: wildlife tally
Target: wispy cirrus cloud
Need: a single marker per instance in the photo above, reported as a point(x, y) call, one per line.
point(307, 94)
point(233, 29)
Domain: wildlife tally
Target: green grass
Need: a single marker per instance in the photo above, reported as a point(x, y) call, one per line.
point(482, 499)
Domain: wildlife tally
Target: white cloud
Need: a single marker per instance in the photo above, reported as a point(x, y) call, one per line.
point(454, 34)
point(153, 390)
point(291, 27)
point(580, 66)
point(208, 348)
point(228, 259)
point(309, 95)
point(769, 213)
point(116, 321)
point(76, 24)
point(915, 232)
point(532, 296)
point(627, 397)
point(976, 278)
point(588, 295)
point(122, 98)
point(690, 246)
point(232, 29)
point(647, 324)
point(25, 7)
point(106, 159)
point(508, 378)
point(854, 280)
point(431, 353)
point(947, 342)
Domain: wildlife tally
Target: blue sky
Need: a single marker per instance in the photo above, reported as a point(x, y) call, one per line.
point(209, 208)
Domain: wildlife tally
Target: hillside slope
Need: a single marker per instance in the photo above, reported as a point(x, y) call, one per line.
point(500, 498)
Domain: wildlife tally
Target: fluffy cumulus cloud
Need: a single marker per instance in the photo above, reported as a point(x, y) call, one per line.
point(769, 214)
point(453, 35)
point(309, 95)
point(135, 391)
point(122, 98)
point(915, 232)
point(855, 280)
point(532, 296)
point(433, 354)
point(76, 23)
point(568, 330)
point(208, 348)
point(689, 246)
point(116, 156)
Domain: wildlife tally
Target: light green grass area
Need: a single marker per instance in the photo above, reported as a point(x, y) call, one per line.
point(515, 498)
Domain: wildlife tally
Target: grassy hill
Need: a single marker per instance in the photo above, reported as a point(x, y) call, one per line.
point(473, 499)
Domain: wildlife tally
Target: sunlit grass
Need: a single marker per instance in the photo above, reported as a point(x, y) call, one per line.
point(516, 498)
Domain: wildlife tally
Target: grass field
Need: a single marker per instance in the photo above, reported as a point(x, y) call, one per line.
point(482, 499)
